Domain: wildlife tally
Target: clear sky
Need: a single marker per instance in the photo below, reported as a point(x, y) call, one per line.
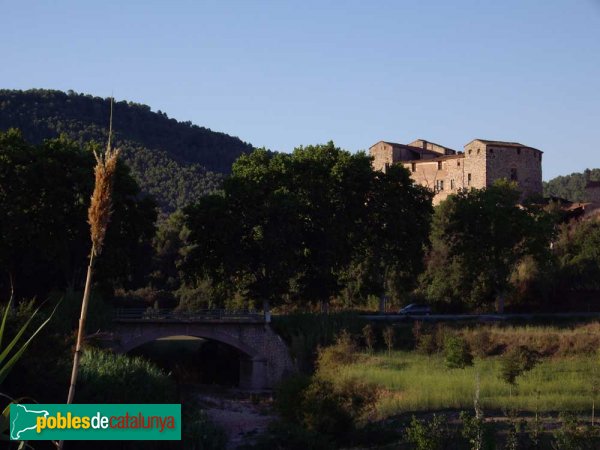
point(285, 73)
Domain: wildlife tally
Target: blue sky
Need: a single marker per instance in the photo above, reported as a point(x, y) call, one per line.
point(285, 73)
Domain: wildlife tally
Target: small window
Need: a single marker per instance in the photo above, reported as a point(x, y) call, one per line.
point(469, 179)
point(518, 151)
point(452, 185)
point(413, 167)
point(439, 165)
point(491, 150)
point(439, 185)
point(478, 150)
point(513, 174)
point(470, 151)
point(458, 163)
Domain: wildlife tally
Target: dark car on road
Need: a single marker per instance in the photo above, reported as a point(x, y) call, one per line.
point(415, 309)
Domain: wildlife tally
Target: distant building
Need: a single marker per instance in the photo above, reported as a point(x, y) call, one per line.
point(447, 171)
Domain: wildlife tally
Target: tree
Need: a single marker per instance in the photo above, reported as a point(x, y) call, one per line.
point(397, 230)
point(246, 236)
point(304, 226)
point(477, 239)
point(44, 195)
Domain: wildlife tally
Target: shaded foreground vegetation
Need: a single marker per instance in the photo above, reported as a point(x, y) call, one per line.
point(546, 402)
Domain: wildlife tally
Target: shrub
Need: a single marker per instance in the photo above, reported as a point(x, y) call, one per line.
point(427, 345)
point(574, 436)
point(429, 435)
point(335, 410)
point(199, 432)
point(515, 362)
point(457, 353)
point(344, 351)
point(478, 433)
point(288, 396)
point(289, 436)
point(108, 378)
point(389, 336)
point(368, 333)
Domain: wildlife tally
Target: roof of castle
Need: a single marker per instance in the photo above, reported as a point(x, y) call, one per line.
point(411, 148)
point(432, 143)
point(439, 158)
point(503, 144)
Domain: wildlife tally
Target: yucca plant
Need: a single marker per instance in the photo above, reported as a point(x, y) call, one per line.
point(11, 354)
point(99, 214)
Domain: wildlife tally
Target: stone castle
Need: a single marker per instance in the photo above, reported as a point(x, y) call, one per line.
point(446, 171)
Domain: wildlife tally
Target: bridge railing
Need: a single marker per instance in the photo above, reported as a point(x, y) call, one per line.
point(200, 315)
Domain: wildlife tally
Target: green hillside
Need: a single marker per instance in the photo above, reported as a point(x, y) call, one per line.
point(175, 162)
point(571, 187)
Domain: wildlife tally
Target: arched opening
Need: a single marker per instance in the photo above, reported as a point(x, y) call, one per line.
point(199, 361)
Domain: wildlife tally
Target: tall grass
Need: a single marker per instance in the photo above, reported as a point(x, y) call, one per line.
point(412, 382)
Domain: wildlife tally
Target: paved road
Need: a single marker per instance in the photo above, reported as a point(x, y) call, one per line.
point(477, 317)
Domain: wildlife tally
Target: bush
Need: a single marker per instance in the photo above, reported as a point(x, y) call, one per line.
point(288, 396)
point(335, 410)
point(427, 344)
point(368, 333)
point(389, 336)
point(457, 353)
point(344, 351)
point(322, 407)
point(199, 432)
point(429, 435)
point(574, 436)
point(108, 378)
point(289, 436)
point(515, 362)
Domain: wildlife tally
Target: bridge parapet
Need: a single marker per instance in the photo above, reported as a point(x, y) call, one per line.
point(204, 315)
point(265, 360)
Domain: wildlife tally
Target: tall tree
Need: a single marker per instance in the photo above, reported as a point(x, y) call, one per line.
point(478, 237)
point(292, 225)
point(44, 195)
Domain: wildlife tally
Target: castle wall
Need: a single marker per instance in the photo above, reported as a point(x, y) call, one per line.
point(444, 177)
point(481, 164)
point(520, 164)
point(421, 143)
point(475, 165)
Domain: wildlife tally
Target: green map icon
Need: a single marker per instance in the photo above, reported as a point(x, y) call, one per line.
point(23, 419)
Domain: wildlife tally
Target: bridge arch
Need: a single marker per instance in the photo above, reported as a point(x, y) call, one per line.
point(212, 335)
point(265, 357)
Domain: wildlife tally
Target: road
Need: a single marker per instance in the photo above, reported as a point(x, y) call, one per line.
point(477, 317)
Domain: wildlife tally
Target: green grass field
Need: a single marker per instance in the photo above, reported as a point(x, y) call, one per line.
point(414, 382)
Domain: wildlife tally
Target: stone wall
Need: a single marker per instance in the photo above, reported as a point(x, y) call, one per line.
point(481, 164)
point(520, 164)
point(444, 176)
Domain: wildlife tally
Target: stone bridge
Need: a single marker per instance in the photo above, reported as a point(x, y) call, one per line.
point(265, 356)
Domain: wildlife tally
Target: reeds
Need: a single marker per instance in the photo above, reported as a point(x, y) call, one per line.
point(99, 214)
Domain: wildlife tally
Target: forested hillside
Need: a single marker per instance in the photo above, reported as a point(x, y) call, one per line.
point(175, 162)
point(571, 187)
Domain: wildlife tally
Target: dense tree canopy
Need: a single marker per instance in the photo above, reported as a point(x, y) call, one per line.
point(174, 162)
point(290, 226)
point(571, 187)
point(478, 239)
point(44, 236)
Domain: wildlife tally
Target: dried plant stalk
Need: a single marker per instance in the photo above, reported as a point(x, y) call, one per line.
point(101, 206)
point(99, 214)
